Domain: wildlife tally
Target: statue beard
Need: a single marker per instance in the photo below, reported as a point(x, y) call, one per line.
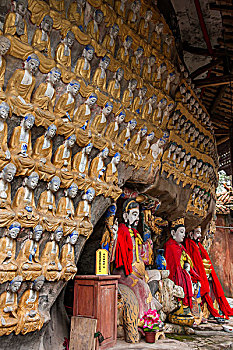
point(132, 226)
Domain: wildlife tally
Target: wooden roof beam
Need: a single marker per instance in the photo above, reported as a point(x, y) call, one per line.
point(214, 81)
point(225, 8)
point(204, 52)
point(206, 67)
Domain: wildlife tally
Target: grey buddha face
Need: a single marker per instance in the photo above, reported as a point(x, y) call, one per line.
point(4, 111)
point(148, 15)
point(47, 24)
point(117, 159)
point(88, 149)
point(73, 191)
point(9, 172)
point(58, 234)
point(54, 185)
point(51, 132)
point(120, 118)
point(54, 77)
point(13, 232)
point(179, 234)
point(37, 233)
point(71, 141)
point(89, 54)
point(90, 195)
point(70, 39)
point(38, 284)
point(4, 45)
point(32, 182)
point(105, 153)
point(21, 7)
point(20, 27)
point(15, 286)
point(74, 238)
point(33, 66)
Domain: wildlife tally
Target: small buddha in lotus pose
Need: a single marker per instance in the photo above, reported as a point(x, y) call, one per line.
point(65, 208)
point(111, 176)
point(123, 53)
point(62, 157)
point(100, 77)
point(136, 60)
point(93, 26)
point(76, 12)
point(83, 213)
point(114, 87)
point(83, 113)
point(156, 38)
point(139, 101)
point(148, 69)
point(15, 23)
point(83, 67)
point(149, 108)
point(125, 136)
point(69, 268)
point(5, 45)
point(6, 177)
point(120, 7)
point(97, 167)
point(81, 162)
point(98, 125)
point(5, 155)
point(109, 42)
point(144, 25)
point(41, 37)
point(113, 129)
point(128, 95)
point(133, 14)
point(63, 51)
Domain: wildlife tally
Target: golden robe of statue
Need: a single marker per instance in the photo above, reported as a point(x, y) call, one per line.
point(108, 45)
point(69, 268)
point(83, 69)
point(50, 261)
point(99, 79)
point(42, 153)
point(3, 144)
point(142, 30)
point(122, 56)
point(132, 20)
point(65, 210)
point(127, 98)
point(2, 72)
point(83, 215)
point(6, 212)
point(8, 265)
point(44, 98)
point(114, 89)
point(62, 158)
point(120, 8)
point(137, 105)
point(63, 56)
point(98, 126)
point(58, 5)
point(29, 266)
point(111, 175)
point(65, 105)
point(94, 33)
point(80, 163)
point(8, 320)
point(47, 209)
point(41, 45)
point(10, 27)
point(74, 16)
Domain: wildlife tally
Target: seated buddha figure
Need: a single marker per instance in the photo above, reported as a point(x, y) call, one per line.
point(20, 86)
point(62, 156)
point(156, 37)
point(6, 177)
point(128, 94)
point(83, 113)
point(65, 208)
point(80, 164)
point(64, 109)
point(173, 120)
point(5, 45)
point(5, 155)
point(42, 153)
point(109, 42)
point(180, 95)
point(144, 26)
point(76, 12)
point(166, 114)
point(160, 75)
point(158, 113)
point(123, 53)
point(111, 176)
point(139, 101)
point(167, 83)
point(51, 266)
point(114, 86)
point(44, 99)
point(167, 46)
point(83, 67)
point(15, 23)
point(63, 51)
point(8, 265)
point(120, 7)
point(149, 108)
point(21, 146)
point(29, 266)
point(83, 213)
point(112, 131)
point(133, 14)
point(68, 264)
point(41, 37)
point(93, 27)
point(97, 167)
point(133, 146)
point(29, 318)
point(148, 72)
point(125, 136)
point(98, 126)
point(136, 60)
point(145, 151)
point(100, 77)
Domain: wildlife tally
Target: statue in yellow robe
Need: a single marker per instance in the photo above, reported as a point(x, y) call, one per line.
point(5, 45)
point(133, 14)
point(123, 52)
point(62, 156)
point(144, 151)
point(63, 51)
point(144, 25)
point(97, 167)
point(80, 162)
point(180, 95)
point(58, 5)
point(128, 95)
point(111, 176)
point(125, 136)
point(166, 84)
point(160, 75)
point(6, 177)
point(8, 307)
point(166, 115)
point(41, 37)
point(5, 155)
point(148, 72)
point(83, 213)
point(51, 266)
point(8, 265)
point(98, 126)
point(156, 38)
point(76, 12)
point(93, 26)
point(44, 99)
point(20, 86)
point(29, 266)
point(83, 67)
point(69, 268)
point(158, 113)
point(109, 42)
point(100, 78)
point(120, 7)
point(28, 313)
point(167, 46)
point(136, 60)
point(139, 101)
point(114, 86)
point(149, 108)
point(112, 131)
point(15, 23)
point(133, 146)
point(21, 146)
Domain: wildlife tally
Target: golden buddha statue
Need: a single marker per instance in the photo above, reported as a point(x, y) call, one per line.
point(180, 95)
point(42, 153)
point(83, 67)
point(41, 37)
point(97, 167)
point(100, 78)
point(148, 69)
point(166, 84)
point(8, 307)
point(76, 12)
point(123, 52)
point(24, 201)
point(8, 265)
point(93, 26)
point(69, 268)
point(5, 155)
point(29, 266)
point(21, 146)
point(144, 151)
point(58, 5)
point(62, 156)
point(98, 126)
point(138, 102)
point(133, 14)
point(109, 42)
point(63, 51)
point(167, 46)
point(83, 113)
point(114, 86)
point(83, 213)
point(21, 85)
point(112, 131)
point(80, 162)
point(173, 120)
point(125, 136)
point(15, 23)
point(144, 25)
point(158, 113)
point(149, 108)
point(160, 75)
point(156, 38)
point(166, 115)
point(64, 109)
point(111, 176)
point(5, 45)
point(128, 95)
point(44, 99)
point(133, 146)
point(120, 7)
point(65, 208)
point(6, 177)
point(51, 266)
point(28, 314)
point(136, 63)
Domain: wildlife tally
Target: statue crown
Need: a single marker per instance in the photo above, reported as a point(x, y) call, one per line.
point(177, 222)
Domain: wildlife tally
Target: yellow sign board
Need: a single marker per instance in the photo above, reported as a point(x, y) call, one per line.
point(101, 267)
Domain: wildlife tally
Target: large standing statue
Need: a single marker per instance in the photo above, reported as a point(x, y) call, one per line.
point(5, 45)
point(100, 77)
point(209, 281)
point(130, 259)
point(15, 23)
point(41, 37)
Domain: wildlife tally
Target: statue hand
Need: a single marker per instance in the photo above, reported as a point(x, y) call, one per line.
point(8, 154)
point(89, 134)
point(23, 154)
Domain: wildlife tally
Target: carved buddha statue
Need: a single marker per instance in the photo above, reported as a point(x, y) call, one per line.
point(51, 266)
point(123, 53)
point(157, 36)
point(28, 314)
point(114, 86)
point(93, 26)
point(5, 155)
point(173, 120)
point(65, 208)
point(15, 23)
point(83, 113)
point(62, 157)
point(83, 213)
point(144, 25)
point(144, 147)
point(134, 144)
point(158, 113)
point(120, 7)
point(81, 162)
point(166, 84)
point(41, 37)
point(148, 69)
point(6, 177)
point(21, 85)
point(138, 102)
point(69, 268)
point(76, 12)
point(44, 98)
point(157, 151)
point(111, 176)
point(136, 60)
point(159, 76)
point(58, 5)
point(100, 78)
point(133, 14)
point(98, 125)
point(149, 108)
point(97, 167)
point(46, 204)
point(63, 51)
point(166, 114)
point(113, 129)
point(8, 265)
point(5, 45)
point(83, 67)
point(180, 95)
point(167, 46)
point(29, 266)
point(109, 42)
point(128, 96)
point(125, 136)
point(21, 146)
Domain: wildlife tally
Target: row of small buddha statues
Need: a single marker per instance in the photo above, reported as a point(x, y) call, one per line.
point(199, 201)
